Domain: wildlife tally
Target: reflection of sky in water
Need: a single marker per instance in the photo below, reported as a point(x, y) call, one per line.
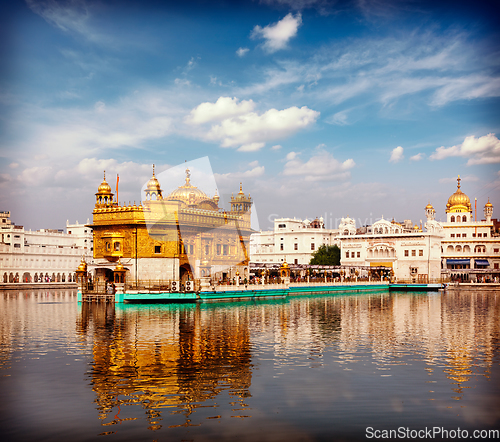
point(297, 369)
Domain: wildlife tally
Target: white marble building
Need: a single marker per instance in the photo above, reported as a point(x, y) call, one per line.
point(83, 238)
point(412, 256)
point(470, 247)
point(293, 240)
point(37, 256)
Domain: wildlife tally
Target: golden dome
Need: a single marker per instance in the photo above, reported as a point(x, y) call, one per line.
point(459, 201)
point(188, 193)
point(104, 188)
point(488, 204)
point(429, 206)
point(119, 266)
point(153, 183)
point(83, 266)
point(284, 265)
point(241, 190)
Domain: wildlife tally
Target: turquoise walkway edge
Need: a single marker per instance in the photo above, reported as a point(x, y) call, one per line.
point(262, 293)
point(337, 288)
point(243, 294)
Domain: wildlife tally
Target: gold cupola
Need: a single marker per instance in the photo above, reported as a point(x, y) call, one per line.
point(488, 211)
point(241, 202)
point(459, 201)
point(104, 196)
point(429, 211)
point(153, 190)
point(188, 194)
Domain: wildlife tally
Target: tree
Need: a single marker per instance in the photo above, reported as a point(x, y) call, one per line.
point(326, 256)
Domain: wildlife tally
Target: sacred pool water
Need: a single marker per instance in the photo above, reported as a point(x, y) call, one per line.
point(342, 367)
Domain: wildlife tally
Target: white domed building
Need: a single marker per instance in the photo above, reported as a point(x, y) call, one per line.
point(470, 248)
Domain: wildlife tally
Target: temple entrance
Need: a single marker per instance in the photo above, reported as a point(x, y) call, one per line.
point(186, 273)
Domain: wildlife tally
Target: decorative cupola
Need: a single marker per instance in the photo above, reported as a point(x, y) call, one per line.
point(429, 212)
point(104, 196)
point(153, 191)
point(488, 211)
point(216, 198)
point(241, 202)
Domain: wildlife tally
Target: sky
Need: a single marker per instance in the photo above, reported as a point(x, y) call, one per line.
point(362, 108)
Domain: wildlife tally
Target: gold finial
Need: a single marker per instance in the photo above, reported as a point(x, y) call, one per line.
point(153, 170)
point(188, 174)
point(104, 175)
point(458, 181)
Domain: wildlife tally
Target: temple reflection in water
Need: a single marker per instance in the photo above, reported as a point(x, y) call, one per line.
point(177, 359)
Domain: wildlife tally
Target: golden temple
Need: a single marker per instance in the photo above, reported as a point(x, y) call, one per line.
point(182, 236)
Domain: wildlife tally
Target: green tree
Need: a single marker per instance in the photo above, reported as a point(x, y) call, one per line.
point(326, 256)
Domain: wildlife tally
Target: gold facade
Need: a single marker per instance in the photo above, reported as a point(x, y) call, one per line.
point(186, 226)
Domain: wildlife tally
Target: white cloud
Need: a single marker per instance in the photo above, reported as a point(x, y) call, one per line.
point(13, 165)
point(242, 51)
point(182, 82)
point(226, 180)
point(88, 174)
point(322, 166)
point(73, 17)
point(276, 147)
point(66, 16)
point(251, 147)
point(251, 130)
point(100, 106)
point(278, 34)
point(340, 118)
point(396, 155)
point(437, 68)
point(417, 157)
point(36, 176)
point(482, 150)
point(224, 107)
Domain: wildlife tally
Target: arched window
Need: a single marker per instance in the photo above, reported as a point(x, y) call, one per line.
point(452, 219)
point(458, 218)
point(458, 249)
point(464, 219)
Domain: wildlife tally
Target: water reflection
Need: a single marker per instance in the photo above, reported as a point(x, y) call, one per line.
point(169, 357)
point(296, 369)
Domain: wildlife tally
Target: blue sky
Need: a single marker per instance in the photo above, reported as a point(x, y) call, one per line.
point(321, 108)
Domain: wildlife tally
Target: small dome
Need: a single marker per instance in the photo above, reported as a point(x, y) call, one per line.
point(83, 266)
point(429, 206)
point(488, 204)
point(188, 193)
point(119, 266)
point(153, 183)
point(104, 188)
